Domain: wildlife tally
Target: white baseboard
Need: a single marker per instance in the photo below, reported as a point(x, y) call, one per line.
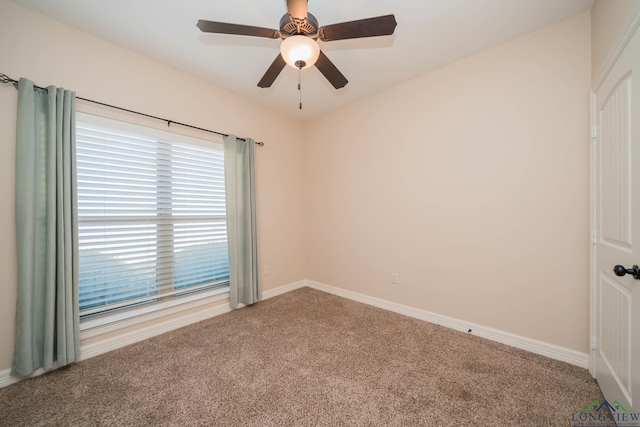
point(96, 348)
point(538, 347)
point(284, 289)
point(6, 378)
point(99, 347)
point(102, 346)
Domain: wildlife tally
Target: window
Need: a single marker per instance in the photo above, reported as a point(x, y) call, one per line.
point(151, 214)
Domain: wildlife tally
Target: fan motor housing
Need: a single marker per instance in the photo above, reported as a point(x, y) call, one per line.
point(291, 26)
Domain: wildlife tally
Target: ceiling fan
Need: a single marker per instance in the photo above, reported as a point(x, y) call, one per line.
point(299, 31)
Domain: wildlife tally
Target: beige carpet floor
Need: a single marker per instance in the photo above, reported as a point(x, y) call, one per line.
point(306, 358)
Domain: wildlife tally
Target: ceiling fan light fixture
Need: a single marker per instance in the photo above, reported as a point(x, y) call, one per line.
point(300, 52)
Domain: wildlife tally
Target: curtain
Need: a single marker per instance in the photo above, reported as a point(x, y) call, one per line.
point(239, 174)
point(47, 317)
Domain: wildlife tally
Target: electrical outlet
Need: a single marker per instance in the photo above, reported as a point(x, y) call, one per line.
point(395, 279)
point(266, 270)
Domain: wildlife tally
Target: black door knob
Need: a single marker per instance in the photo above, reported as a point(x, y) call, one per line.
point(621, 271)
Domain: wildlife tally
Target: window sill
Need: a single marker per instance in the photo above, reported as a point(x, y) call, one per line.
point(113, 322)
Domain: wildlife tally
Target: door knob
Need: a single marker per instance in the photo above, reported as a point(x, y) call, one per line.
point(621, 271)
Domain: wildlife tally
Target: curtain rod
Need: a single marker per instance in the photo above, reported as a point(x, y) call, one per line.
point(6, 79)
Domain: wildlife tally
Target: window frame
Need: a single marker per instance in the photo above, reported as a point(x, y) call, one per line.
point(92, 324)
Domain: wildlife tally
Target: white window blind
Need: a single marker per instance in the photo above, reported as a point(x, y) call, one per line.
point(151, 216)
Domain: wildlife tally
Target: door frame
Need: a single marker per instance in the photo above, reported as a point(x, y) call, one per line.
point(628, 30)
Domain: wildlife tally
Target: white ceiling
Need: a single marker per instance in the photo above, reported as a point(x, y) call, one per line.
point(429, 35)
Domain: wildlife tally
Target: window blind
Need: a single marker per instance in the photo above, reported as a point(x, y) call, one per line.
point(151, 217)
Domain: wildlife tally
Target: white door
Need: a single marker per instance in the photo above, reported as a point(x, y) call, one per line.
point(617, 222)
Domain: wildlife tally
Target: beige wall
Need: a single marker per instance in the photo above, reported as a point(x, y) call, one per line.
point(471, 182)
point(50, 53)
point(608, 17)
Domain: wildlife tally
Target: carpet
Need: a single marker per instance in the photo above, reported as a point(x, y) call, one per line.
point(306, 358)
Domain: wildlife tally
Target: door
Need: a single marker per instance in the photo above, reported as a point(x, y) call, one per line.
point(617, 222)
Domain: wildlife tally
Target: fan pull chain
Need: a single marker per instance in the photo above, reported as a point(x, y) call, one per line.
point(300, 85)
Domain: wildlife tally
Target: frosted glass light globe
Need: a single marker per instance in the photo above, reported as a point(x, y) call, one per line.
point(300, 48)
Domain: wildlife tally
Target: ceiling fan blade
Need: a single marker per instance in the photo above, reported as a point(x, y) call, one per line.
point(273, 72)
point(330, 71)
point(370, 27)
point(241, 30)
point(297, 8)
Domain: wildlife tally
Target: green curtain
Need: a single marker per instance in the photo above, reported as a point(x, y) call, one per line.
point(240, 183)
point(47, 318)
